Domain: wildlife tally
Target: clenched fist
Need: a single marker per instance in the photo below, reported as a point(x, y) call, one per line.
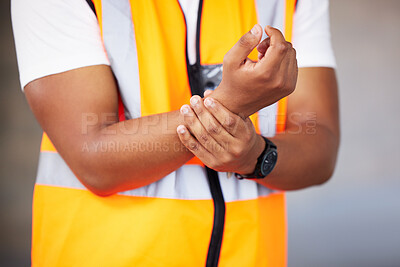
point(249, 86)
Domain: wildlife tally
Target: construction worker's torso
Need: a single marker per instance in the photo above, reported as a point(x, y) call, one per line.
point(169, 222)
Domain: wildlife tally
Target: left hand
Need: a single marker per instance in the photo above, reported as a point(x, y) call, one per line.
point(222, 140)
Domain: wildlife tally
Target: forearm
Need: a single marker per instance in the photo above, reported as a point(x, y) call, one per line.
point(129, 154)
point(305, 159)
point(78, 110)
point(306, 156)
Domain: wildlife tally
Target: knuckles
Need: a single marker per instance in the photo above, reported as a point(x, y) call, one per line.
point(213, 129)
point(193, 146)
point(227, 61)
point(246, 40)
point(266, 75)
point(240, 149)
point(204, 138)
point(226, 160)
point(282, 48)
point(236, 151)
point(230, 122)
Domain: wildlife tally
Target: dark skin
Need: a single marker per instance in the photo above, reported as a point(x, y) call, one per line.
point(314, 146)
point(60, 103)
point(78, 110)
point(307, 140)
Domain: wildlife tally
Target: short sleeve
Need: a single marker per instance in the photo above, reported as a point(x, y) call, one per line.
point(55, 36)
point(311, 34)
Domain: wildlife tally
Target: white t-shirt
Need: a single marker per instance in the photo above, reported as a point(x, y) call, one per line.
point(56, 36)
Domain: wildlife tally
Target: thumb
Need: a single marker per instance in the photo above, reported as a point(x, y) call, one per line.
point(244, 46)
point(275, 36)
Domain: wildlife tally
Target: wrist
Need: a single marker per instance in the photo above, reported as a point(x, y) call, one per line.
point(229, 101)
point(265, 162)
point(256, 151)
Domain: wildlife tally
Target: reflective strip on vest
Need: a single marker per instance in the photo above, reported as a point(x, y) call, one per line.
point(169, 222)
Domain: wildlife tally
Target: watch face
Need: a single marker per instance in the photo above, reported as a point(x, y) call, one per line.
point(269, 162)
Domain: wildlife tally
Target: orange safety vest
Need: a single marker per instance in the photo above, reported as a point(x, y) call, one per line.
point(177, 220)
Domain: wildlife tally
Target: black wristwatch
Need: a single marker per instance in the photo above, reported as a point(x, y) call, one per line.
point(265, 162)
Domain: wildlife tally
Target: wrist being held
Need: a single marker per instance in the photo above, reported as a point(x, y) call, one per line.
point(249, 86)
point(232, 103)
point(222, 140)
point(256, 151)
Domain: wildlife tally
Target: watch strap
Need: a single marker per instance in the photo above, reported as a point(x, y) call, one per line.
point(257, 174)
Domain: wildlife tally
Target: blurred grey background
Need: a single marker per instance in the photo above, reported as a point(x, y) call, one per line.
point(353, 220)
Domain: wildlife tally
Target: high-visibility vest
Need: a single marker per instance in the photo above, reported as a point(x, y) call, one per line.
point(169, 222)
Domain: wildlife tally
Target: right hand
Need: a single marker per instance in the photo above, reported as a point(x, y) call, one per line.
point(249, 86)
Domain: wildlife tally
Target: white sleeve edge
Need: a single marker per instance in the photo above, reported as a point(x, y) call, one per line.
point(79, 61)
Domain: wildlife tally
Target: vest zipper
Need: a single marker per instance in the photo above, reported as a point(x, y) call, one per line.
point(195, 82)
point(91, 5)
point(217, 233)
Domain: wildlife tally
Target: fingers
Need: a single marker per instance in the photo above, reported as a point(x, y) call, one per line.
point(199, 132)
point(243, 47)
point(275, 35)
point(193, 145)
point(293, 69)
point(262, 47)
point(231, 122)
point(277, 50)
point(210, 123)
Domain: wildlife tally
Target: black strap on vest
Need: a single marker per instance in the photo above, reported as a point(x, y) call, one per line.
point(91, 5)
point(197, 88)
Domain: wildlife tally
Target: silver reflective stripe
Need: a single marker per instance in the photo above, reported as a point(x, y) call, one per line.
point(266, 12)
point(234, 189)
point(53, 170)
point(271, 12)
point(279, 17)
point(120, 44)
point(188, 182)
point(267, 120)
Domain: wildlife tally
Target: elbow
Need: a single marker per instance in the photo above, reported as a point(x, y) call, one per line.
point(100, 190)
point(96, 178)
point(325, 176)
point(329, 165)
point(99, 185)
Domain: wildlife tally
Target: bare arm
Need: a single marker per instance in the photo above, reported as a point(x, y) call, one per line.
point(63, 102)
point(308, 148)
point(78, 110)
